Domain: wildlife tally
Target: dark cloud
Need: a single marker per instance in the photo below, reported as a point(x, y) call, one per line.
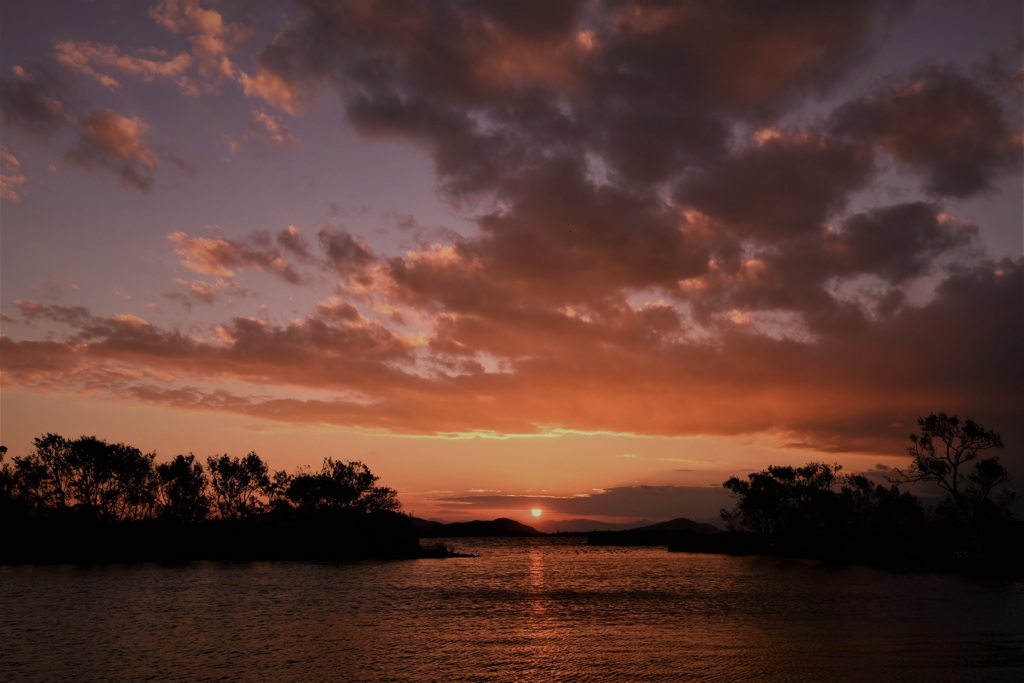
point(35, 363)
point(941, 123)
point(74, 316)
point(751, 194)
point(569, 119)
point(808, 273)
point(537, 18)
point(962, 350)
point(325, 350)
point(648, 87)
point(652, 502)
point(31, 101)
point(344, 253)
point(38, 103)
point(338, 309)
point(896, 242)
point(292, 240)
point(564, 233)
point(562, 241)
point(668, 77)
point(109, 140)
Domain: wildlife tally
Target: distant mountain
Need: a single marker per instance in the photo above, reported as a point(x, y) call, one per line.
point(576, 526)
point(681, 524)
point(418, 523)
point(662, 533)
point(477, 528)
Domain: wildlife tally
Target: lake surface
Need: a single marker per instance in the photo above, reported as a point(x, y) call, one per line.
point(525, 610)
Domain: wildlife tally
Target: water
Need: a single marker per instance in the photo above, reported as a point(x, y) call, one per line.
point(525, 610)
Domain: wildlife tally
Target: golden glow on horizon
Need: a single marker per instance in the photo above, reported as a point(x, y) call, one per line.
point(536, 512)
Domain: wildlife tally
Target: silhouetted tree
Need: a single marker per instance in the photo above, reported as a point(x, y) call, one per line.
point(68, 499)
point(341, 486)
point(41, 477)
point(380, 498)
point(812, 511)
point(241, 486)
point(131, 491)
point(941, 454)
point(878, 512)
point(7, 491)
point(110, 481)
point(182, 489)
point(277, 492)
point(780, 499)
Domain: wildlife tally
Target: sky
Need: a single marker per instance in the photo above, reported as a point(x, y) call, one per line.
point(585, 256)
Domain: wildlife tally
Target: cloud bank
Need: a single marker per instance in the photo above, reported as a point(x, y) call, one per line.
point(658, 248)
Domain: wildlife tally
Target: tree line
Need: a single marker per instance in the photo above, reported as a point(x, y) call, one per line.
point(814, 510)
point(116, 482)
point(89, 500)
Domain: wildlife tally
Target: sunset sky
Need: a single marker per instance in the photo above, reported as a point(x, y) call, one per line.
point(587, 256)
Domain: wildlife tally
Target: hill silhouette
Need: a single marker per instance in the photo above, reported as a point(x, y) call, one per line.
point(662, 533)
point(681, 524)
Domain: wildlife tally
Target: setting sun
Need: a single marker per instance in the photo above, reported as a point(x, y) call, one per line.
point(536, 512)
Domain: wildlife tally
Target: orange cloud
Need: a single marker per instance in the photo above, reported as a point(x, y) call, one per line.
point(271, 129)
point(110, 140)
point(211, 38)
point(220, 257)
point(275, 90)
point(11, 177)
point(78, 57)
point(621, 372)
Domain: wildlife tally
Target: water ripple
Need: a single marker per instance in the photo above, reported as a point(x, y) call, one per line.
point(535, 610)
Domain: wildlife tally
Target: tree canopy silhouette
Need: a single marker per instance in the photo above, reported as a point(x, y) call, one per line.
point(815, 504)
point(813, 511)
point(182, 489)
point(942, 453)
point(87, 500)
point(778, 499)
point(241, 486)
point(88, 475)
point(341, 486)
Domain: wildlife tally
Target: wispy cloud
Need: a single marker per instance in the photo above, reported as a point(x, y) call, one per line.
point(220, 257)
point(11, 177)
point(87, 59)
